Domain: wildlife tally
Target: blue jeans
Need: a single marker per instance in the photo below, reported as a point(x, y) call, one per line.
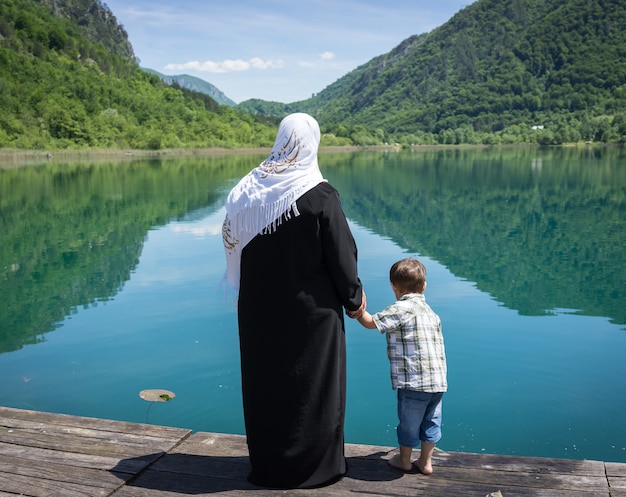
point(420, 417)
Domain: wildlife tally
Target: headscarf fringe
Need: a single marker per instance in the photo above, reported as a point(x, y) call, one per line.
point(254, 219)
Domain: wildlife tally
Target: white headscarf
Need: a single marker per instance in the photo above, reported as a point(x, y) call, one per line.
point(268, 194)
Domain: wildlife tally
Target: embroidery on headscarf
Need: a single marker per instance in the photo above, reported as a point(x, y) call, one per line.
point(266, 196)
point(286, 157)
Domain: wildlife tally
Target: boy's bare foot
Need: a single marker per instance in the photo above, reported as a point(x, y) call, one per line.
point(425, 469)
point(396, 462)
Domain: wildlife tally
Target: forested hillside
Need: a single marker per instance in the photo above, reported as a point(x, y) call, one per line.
point(69, 78)
point(500, 71)
point(497, 69)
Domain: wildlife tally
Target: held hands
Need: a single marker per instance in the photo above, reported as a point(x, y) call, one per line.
point(364, 317)
point(359, 312)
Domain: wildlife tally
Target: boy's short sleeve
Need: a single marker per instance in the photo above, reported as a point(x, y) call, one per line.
point(387, 320)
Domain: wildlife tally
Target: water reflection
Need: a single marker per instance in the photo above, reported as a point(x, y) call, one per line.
point(541, 231)
point(71, 234)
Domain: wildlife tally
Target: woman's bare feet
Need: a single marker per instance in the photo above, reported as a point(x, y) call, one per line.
point(397, 462)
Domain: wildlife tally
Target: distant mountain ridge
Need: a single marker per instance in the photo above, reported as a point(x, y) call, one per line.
point(495, 64)
point(499, 71)
point(195, 84)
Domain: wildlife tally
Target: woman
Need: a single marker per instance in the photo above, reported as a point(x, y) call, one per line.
point(291, 255)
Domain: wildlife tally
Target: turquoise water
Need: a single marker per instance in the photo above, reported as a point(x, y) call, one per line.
point(111, 284)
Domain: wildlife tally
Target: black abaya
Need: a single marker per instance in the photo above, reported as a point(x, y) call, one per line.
point(294, 285)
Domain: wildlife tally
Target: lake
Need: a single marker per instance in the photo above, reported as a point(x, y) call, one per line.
point(110, 276)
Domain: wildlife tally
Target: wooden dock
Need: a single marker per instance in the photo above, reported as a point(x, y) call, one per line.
point(50, 455)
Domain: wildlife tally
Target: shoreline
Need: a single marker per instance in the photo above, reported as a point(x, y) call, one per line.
point(23, 156)
point(20, 157)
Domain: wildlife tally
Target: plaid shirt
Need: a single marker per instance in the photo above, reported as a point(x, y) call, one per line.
point(414, 344)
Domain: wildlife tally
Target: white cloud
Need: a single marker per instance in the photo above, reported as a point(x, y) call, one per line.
point(258, 63)
point(228, 65)
point(324, 57)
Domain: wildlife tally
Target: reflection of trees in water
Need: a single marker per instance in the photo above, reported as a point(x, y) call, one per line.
point(71, 234)
point(538, 230)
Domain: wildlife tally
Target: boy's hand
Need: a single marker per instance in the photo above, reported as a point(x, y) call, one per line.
point(367, 320)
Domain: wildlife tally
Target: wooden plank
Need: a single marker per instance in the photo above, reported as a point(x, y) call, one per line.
point(41, 487)
point(615, 469)
point(617, 482)
point(50, 473)
point(415, 485)
point(130, 432)
point(441, 486)
point(540, 465)
point(235, 445)
point(99, 424)
point(102, 462)
point(84, 440)
point(616, 476)
point(215, 444)
point(522, 479)
point(53, 470)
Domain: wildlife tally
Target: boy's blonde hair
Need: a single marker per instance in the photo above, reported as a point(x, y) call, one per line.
point(408, 275)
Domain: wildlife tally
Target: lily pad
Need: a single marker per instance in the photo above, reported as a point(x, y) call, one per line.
point(156, 395)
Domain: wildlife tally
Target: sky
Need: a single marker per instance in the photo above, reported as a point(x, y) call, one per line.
point(275, 50)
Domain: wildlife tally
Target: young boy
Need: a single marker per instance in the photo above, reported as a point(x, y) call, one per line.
point(418, 363)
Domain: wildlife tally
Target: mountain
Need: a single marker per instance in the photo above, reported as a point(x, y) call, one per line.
point(195, 84)
point(499, 71)
point(69, 79)
point(96, 22)
point(497, 66)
